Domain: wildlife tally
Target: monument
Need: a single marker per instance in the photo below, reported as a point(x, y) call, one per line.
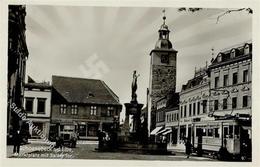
point(132, 109)
point(136, 139)
point(133, 139)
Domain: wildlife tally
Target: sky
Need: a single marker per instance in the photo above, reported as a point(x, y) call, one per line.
point(109, 43)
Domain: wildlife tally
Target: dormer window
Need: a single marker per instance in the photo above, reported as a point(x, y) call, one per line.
point(233, 53)
point(219, 59)
point(246, 49)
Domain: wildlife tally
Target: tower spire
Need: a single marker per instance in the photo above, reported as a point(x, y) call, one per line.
point(164, 17)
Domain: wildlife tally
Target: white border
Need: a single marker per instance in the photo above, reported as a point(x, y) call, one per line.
point(254, 4)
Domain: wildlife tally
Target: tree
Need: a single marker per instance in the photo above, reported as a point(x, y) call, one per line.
point(248, 10)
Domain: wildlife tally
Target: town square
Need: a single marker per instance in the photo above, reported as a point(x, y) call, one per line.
point(129, 83)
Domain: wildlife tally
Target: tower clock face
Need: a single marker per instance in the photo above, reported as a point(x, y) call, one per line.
point(165, 58)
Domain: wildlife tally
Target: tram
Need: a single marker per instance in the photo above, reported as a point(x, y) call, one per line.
point(228, 137)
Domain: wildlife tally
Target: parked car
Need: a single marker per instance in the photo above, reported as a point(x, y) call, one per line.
point(69, 138)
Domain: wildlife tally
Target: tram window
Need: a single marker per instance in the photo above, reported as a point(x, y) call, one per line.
point(216, 132)
point(210, 132)
point(197, 132)
point(225, 132)
point(236, 132)
point(204, 132)
point(231, 131)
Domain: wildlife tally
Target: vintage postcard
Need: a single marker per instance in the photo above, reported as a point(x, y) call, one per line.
point(147, 84)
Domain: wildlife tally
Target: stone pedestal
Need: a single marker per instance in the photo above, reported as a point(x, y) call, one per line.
point(133, 108)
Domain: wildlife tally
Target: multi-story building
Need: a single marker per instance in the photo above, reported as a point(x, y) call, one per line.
point(194, 102)
point(82, 105)
point(231, 81)
point(37, 105)
point(162, 72)
point(17, 56)
point(165, 107)
point(172, 123)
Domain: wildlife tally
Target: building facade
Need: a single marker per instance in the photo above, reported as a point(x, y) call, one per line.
point(17, 56)
point(162, 72)
point(231, 81)
point(83, 106)
point(37, 105)
point(172, 123)
point(194, 102)
point(166, 112)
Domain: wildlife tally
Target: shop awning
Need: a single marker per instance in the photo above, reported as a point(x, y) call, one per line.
point(163, 130)
point(157, 129)
point(247, 127)
point(167, 132)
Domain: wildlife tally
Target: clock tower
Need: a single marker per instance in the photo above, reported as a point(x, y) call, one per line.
point(162, 72)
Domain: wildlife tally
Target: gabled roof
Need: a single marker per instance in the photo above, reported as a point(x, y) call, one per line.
point(38, 86)
point(81, 90)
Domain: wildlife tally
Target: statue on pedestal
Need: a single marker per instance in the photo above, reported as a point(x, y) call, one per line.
point(134, 87)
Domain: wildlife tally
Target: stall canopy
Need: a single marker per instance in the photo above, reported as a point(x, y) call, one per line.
point(167, 132)
point(164, 130)
point(157, 129)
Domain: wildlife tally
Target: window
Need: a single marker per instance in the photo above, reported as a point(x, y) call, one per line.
point(219, 58)
point(93, 110)
point(230, 131)
point(110, 111)
point(82, 130)
point(74, 109)
point(63, 108)
point(216, 82)
point(210, 132)
point(29, 105)
point(204, 104)
point(224, 104)
point(165, 58)
point(190, 110)
point(236, 132)
point(233, 53)
point(245, 76)
point(246, 49)
point(92, 130)
point(198, 108)
point(234, 102)
point(216, 132)
point(235, 78)
point(194, 108)
point(225, 83)
point(181, 111)
point(216, 105)
point(225, 134)
point(185, 111)
point(41, 106)
point(245, 101)
point(198, 131)
point(204, 132)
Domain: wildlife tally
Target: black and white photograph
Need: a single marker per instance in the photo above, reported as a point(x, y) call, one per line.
point(134, 83)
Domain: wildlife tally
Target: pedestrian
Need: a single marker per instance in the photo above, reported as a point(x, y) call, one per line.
point(100, 135)
point(17, 139)
point(59, 142)
point(164, 139)
point(188, 147)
